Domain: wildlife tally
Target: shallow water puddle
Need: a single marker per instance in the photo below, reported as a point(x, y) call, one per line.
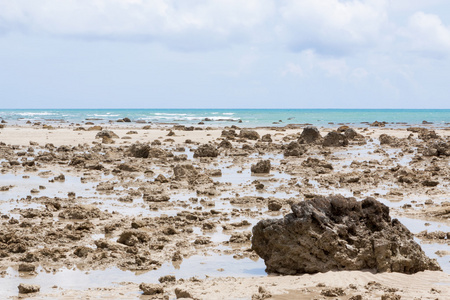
point(214, 265)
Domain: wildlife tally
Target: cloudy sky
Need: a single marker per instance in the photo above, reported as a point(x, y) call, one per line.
point(224, 54)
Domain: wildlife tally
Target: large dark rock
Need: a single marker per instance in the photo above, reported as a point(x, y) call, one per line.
point(437, 148)
point(310, 134)
point(261, 167)
point(337, 233)
point(206, 150)
point(139, 150)
point(294, 149)
point(335, 139)
point(249, 134)
point(183, 172)
point(106, 134)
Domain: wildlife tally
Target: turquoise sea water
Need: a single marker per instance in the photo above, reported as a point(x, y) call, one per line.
point(249, 117)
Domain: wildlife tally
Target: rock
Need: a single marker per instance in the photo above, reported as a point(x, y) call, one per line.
point(266, 138)
point(274, 205)
point(151, 289)
point(167, 278)
point(106, 133)
point(378, 124)
point(338, 233)
point(156, 198)
point(249, 134)
point(28, 288)
point(127, 120)
point(128, 168)
point(309, 135)
point(229, 134)
point(182, 172)
point(261, 167)
point(335, 139)
point(437, 148)
point(132, 237)
point(225, 144)
point(80, 213)
point(206, 150)
point(350, 133)
point(333, 292)
point(182, 293)
point(24, 267)
point(430, 183)
point(387, 139)
point(139, 150)
point(294, 149)
point(161, 178)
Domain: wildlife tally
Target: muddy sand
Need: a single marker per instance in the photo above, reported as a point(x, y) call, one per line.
point(116, 212)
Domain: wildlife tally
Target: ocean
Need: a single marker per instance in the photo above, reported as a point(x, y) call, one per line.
point(228, 117)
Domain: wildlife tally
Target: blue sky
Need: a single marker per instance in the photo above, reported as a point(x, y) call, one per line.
point(224, 54)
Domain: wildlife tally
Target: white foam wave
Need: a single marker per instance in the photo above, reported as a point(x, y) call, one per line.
point(166, 114)
point(30, 114)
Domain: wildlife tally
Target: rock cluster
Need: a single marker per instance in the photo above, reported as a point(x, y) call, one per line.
point(338, 233)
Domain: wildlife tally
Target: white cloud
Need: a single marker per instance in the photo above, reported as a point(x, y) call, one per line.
point(333, 25)
point(178, 23)
point(425, 33)
point(292, 69)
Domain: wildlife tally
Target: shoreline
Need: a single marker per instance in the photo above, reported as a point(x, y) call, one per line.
point(113, 190)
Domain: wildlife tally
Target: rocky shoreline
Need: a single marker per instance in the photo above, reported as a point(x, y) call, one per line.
point(140, 198)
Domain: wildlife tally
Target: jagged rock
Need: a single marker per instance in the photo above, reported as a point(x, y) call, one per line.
point(106, 133)
point(335, 139)
point(206, 150)
point(183, 294)
point(151, 289)
point(309, 135)
point(249, 134)
point(294, 149)
point(437, 148)
point(387, 139)
point(161, 178)
point(266, 138)
point(132, 237)
point(229, 134)
point(262, 166)
point(225, 144)
point(274, 205)
point(181, 172)
point(338, 233)
point(28, 288)
point(350, 133)
point(139, 150)
point(378, 124)
point(80, 212)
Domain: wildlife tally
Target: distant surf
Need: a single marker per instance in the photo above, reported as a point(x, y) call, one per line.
point(227, 117)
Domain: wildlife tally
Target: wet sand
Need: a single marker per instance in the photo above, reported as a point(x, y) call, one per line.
point(112, 220)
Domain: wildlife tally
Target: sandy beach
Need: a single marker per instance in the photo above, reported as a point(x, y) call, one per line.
point(157, 206)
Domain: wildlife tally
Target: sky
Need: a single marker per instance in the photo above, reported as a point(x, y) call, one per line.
point(225, 54)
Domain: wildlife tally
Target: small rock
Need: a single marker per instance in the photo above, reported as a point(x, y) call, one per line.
point(28, 288)
point(151, 289)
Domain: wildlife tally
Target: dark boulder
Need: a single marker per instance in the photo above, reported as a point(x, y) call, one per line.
point(106, 134)
point(206, 150)
point(261, 167)
point(139, 150)
point(294, 149)
point(338, 233)
point(249, 134)
point(266, 138)
point(335, 139)
point(309, 135)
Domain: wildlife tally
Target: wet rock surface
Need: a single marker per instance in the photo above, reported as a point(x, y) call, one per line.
point(338, 233)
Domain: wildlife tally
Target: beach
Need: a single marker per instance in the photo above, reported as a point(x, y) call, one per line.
point(95, 209)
